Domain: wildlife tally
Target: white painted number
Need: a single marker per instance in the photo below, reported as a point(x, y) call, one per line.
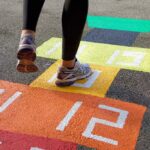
point(81, 49)
point(54, 48)
point(68, 117)
point(9, 101)
point(119, 124)
point(137, 58)
point(90, 127)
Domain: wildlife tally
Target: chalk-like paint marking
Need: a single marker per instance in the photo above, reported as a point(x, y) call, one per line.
point(138, 58)
point(54, 48)
point(68, 117)
point(81, 49)
point(90, 80)
point(52, 78)
point(119, 124)
point(36, 148)
point(112, 58)
point(2, 91)
point(10, 101)
point(121, 119)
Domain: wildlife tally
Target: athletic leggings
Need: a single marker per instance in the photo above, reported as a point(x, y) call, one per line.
point(73, 21)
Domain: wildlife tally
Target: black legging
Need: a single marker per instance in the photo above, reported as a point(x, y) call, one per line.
point(73, 21)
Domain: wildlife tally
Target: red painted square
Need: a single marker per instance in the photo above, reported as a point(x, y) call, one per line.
point(14, 141)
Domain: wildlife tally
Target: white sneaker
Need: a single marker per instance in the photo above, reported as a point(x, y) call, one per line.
point(66, 77)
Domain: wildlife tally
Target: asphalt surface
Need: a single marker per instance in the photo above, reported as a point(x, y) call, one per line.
point(137, 90)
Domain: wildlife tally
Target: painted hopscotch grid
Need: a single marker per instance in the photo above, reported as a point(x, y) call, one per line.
point(102, 54)
point(115, 37)
point(16, 141)
point(116, 23)
point(97, 84)
point(81, 119)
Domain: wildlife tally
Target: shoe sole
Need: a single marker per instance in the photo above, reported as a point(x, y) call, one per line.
point(26, 60)
point(62, 83)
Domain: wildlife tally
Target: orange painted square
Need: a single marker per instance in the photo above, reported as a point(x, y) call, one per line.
point(39, 112)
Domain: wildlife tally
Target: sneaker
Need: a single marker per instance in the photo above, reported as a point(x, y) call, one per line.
point(66, 77)
point(26, 54)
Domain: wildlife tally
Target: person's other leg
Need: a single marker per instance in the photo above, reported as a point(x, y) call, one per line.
point(26, 51)
point(73, 21)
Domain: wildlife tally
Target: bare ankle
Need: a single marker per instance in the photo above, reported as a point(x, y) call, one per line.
point(28, 32)
point(68, 63)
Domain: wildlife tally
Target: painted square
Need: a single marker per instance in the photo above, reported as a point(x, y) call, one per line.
point(16, 141)
point(97, 84)
point(132, 58)
point(101, 123)
point(115, 37)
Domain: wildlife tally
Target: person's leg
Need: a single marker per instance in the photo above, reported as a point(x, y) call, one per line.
point(26, 51)
point(73, 21)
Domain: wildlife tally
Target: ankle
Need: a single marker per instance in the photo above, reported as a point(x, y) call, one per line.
point(28, 32)
point(69, 63)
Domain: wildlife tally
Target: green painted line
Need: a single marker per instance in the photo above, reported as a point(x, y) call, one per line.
point(115, 23)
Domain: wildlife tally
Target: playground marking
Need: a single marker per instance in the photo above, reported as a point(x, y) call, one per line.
point(7, 98)
point(115, 37)
point(16, 141)
point(36, 148)
point(82, 119)
point(97, 84)
point(116, 23)
point(104, 54)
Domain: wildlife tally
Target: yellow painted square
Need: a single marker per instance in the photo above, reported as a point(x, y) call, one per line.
point(132, 58)
point(97, 84)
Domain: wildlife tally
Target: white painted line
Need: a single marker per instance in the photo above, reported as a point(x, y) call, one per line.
point(2, 91)
point(54, 48)
point(137, 56)
point(9, 101)
point(112, 58)
point(90, 80)
point(118, 124)
point(68, 117)
point(81, 49)
point(121, 118)
point(52, 78)
point(35, 148)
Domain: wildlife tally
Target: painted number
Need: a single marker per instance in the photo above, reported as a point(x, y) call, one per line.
point(90, 127)
point(81, 49)
point(90, 81)
point(35, 148)
point(119, 124)
point(54, 48)
point(9, 101)
point(137, 58)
